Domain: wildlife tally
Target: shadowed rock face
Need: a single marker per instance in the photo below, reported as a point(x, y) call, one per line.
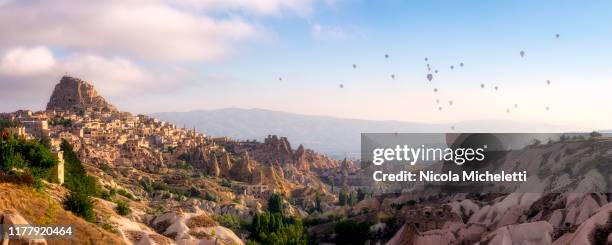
point(76, 95)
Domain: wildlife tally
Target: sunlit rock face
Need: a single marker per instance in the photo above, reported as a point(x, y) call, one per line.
point(76, 95)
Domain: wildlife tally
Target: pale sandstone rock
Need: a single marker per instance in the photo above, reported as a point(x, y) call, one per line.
point(11, 217)
point(536, 233)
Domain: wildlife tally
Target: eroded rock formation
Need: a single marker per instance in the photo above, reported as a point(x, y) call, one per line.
point(76, 95)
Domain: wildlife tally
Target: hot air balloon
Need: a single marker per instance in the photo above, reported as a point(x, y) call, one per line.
point(557, 35)
point(426, 59)
point(547, 108)
point(440, 108)
point(429, 77)
point(435, 90)
point(436, 71)
point(522, 53)
point(280, 79)
point(392, 76)
point(341, 85)
point(507, 110)
point(495, 88)
point(450, 102)
point(548, 82)
point(354, 66)
point(461, 64)
point(482, 85)
point(515, 105)
point(386, 56)
point(437, 101)
point(452, 67)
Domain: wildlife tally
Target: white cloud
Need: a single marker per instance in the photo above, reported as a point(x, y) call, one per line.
point(257, 7)
point(326, 32)
point(152, 30)
point(27, 61)
point(111, 75)
point(35, 69)
point(124, 47)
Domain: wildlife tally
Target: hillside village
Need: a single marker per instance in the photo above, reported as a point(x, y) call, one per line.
point(161, 183)
point(160, 165)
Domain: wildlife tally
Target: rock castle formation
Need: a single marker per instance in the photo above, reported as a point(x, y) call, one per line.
point(76, 95)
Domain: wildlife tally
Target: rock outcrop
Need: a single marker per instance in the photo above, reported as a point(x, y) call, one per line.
point(11, 217)
point(194, 228)
point(525, 233)
point(243, 169)
point(300, 159)
point(226, 165)
point(76, 95)
point(206, 160)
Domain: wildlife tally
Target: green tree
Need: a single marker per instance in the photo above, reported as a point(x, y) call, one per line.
point(594, 134)
point(318, 202)
point(230, 221)
point(351, 232)
point(9, 156)
point(361, 194)
point(275, 229)
point(75, 176)
point(352, 199)
point(7, 124)
point(81, 185)
point(275, 203)
point(343, 198)
point(29, 155)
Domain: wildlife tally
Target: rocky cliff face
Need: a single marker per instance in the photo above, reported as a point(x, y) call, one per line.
point(243, 169)
point(73, 94)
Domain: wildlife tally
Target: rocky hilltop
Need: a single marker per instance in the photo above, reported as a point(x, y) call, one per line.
point(76, 95)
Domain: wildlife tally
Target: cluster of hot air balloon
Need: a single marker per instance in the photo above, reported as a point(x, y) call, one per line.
point(430, 77)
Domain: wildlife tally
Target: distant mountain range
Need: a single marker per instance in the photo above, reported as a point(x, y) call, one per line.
point(336, 137)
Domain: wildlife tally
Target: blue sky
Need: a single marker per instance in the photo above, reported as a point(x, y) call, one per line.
point(231, 54)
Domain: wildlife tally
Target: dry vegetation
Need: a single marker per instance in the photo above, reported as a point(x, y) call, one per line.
point(201, 221)
point(39, 208)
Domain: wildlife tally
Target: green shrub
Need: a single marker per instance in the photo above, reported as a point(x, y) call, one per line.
point(37, 184)
point(123, 208)
point(108, 227)
point(108, 195)
point(210, 197)
point(229, 221)
point(81, 205)
point(147, 185)
point(226, 183)
point(125, 193)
